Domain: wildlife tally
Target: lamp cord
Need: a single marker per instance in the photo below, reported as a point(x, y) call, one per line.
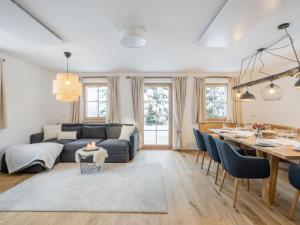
point(292, 60)
point(262, 65)
point(67, 65)
point(245, 71)
point(293, 47)
point(252, 69)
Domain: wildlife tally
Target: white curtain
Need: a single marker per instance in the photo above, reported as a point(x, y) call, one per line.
point(137, 85)
point(75, 112)
point(2, 99)
point(113, 100)
point(199, 112)
point(179, 90)
point(234, 109)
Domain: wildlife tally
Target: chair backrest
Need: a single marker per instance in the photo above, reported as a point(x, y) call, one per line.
point(228, 156)
point(199, 140)
point(211, 147)
point(294, 175)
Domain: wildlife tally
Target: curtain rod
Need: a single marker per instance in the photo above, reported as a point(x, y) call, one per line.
point(94, 77)
point(158, 77)
point(151, 77)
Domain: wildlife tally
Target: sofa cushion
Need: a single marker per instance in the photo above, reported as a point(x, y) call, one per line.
point(78, 129)
point(51, 131)
point(126, 132)
point(96, 132)
point(114, 146)
point(62, 141)
point(80, 143)
point(113, 132)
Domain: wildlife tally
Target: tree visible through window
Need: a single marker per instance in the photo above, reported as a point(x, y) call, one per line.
point(95, 101)
point(156, 114)
point(216, 101)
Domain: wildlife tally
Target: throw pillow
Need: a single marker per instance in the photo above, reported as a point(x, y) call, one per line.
point(51, 131)
point(67, 135)
point(78, 129)
point(97, 132)
point(126, 132)
point(113, 132)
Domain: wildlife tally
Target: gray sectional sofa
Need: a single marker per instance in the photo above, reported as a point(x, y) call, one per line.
point(105, 136)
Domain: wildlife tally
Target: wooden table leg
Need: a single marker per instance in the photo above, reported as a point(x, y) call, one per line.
point(269, 185)
point(259, 153)
point(266, 182)
point(274, 163)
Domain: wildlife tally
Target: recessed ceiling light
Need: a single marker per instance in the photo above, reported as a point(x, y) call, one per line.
point(133, 37)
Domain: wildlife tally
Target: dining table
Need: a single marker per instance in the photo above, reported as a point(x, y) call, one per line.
point(279, 148)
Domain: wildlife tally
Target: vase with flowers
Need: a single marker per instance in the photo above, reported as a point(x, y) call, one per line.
point(258, 127)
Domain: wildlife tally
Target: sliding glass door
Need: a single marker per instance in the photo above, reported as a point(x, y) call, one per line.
point(157, 116)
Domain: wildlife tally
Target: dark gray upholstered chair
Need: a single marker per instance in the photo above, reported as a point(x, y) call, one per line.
point(213, 153)
point(200, 144)
point(294, 177)
point(240, 166)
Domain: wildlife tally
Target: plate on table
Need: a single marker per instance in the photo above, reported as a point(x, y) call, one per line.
point(243, 128)
point(289, 135)
point(265, 143)
point(240, 136)
point(224, 131)
point(297, 148)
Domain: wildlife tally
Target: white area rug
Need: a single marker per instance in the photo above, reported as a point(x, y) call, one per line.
point(128, 187)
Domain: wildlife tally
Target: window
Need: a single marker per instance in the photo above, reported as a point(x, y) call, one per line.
point(216, 101)
point(95, 101)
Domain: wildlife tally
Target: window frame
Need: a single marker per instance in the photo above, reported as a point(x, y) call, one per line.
point(170, 129)
point(217, 119)
point(93, 119)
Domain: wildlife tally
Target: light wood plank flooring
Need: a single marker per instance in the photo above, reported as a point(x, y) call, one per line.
point(192, 199)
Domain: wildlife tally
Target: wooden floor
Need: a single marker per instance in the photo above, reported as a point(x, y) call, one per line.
point(192, 199)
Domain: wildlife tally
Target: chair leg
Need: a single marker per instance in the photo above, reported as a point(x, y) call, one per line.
point(217, 173)
point(294, 205)
point(236, 185)
point(208, 168)
point(242, 182)
point(223, 178)
point(203, 157)
point(198, 155)
point(248, 185)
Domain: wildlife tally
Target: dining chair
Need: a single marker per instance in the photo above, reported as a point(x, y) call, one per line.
point(240, 166)
point(212, 153)
point(294, 177)
point(200, 144)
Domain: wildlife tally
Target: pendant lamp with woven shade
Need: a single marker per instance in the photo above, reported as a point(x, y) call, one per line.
point(67, 86)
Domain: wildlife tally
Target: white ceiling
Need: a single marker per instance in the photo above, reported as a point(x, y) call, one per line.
point(90, 30)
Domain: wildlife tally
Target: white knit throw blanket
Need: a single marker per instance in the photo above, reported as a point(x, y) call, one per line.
point(99, 156)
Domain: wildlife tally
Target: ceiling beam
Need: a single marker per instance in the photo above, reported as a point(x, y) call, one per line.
point(36, 19)
point(288, 73)
point(212, 20)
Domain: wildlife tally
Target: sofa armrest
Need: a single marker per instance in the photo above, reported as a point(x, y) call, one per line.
point(133, 144)
point(36, 138)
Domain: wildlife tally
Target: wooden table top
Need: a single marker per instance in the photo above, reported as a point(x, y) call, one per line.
point(283, 152)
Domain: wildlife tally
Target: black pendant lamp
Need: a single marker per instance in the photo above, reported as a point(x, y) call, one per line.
point(247, 97)
point(297, 84)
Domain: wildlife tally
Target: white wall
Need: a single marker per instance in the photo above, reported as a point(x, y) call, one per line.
point(126, 101)
point(29, 100)
point(284, 112)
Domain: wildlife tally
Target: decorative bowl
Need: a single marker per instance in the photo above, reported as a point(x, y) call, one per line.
point(90, 150)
